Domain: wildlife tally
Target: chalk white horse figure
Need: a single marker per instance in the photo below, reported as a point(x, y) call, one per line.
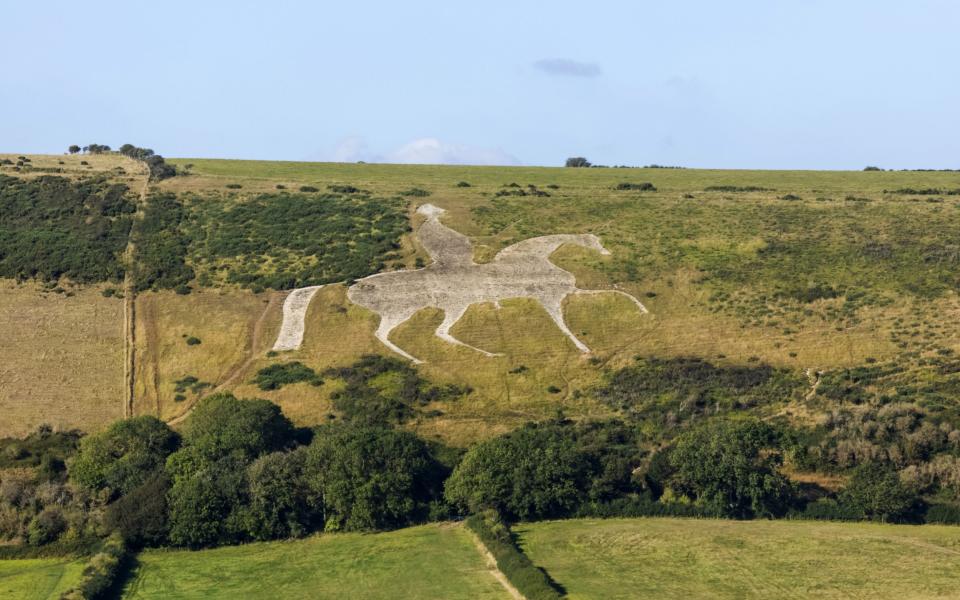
point(453, 281)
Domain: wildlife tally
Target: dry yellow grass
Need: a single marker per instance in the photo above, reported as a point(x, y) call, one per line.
point(61, 358)
point(223, 322)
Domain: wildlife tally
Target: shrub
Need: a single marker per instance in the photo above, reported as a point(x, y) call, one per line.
point(233, 186)
point(308, 189)
point(193, 341)
point(276, 376)
point(384, 391)
point(343, 189)
point(640, 187)
point(46, 526)
point(415, 193)
point(943, 513)
point(872, 168)
point(463, 184)
point(577, 161)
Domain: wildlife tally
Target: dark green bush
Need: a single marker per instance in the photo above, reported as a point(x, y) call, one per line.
point(46, 526)
point(415, 193)
point(308, 189)
point(276, 376)
point(639, 187)
point(946, 514)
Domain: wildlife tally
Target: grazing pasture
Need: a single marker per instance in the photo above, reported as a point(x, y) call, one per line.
point(38, 578)
point(432, 561)
point(703, 558)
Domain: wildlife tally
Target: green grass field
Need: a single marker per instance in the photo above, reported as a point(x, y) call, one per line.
point(433, 561)
point(677, 558)
point(38, 578)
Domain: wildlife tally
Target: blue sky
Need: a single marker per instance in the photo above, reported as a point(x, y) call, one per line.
point(742, 84)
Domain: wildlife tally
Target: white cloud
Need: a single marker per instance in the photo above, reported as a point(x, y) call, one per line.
point(568, 68)
point(431, 151)
point(351, 149)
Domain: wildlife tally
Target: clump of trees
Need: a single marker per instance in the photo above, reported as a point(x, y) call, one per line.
point(577, 161)
point(159, 169)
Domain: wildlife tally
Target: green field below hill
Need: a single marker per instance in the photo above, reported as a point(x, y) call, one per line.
point(38, 578)
point(687, 558)
point(433, 561)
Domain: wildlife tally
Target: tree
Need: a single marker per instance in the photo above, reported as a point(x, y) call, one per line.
point(221, 425)
point(545, 470)
point(279, 506)
point(73, 149)
point(370, 478)
point(728, 466)
point(141, 515)
point(577, 161)
point(124, 455)
point(207, 505)
point(876, 493)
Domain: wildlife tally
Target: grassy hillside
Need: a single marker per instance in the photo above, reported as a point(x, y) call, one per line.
point(848, 273)
point(434, 561)
point(674, 558)
point(38, 578)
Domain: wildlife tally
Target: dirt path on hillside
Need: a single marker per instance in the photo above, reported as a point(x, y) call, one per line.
point(492, 566)
point(237, 372)
point(129, 303)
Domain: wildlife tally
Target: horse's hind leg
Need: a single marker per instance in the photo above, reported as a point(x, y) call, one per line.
point(451, 315)
point(554, 307)
point(387, 324)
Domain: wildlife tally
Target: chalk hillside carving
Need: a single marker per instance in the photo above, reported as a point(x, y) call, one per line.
point(453, 282)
